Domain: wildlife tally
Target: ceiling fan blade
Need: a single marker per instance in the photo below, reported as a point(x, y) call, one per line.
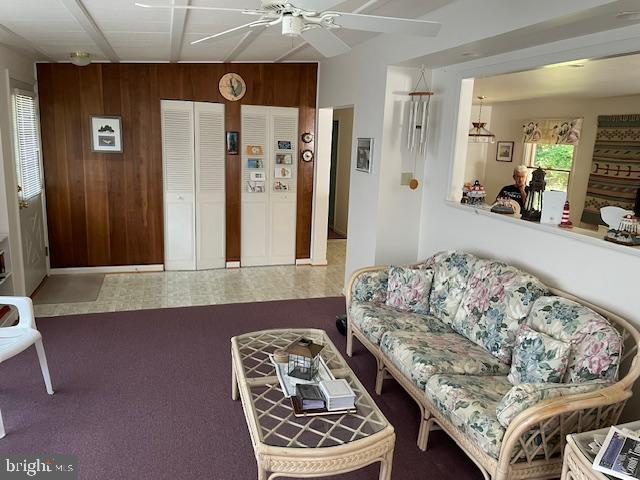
point(316, 5)
point(193, 7)
point(375, 23)
point(326, 42)
point(223, 34)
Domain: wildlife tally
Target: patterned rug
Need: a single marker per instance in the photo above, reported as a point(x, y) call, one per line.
point(615, 170)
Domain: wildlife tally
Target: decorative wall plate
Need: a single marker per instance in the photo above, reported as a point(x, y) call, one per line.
point(307, 137)
point(232, 86)
point(307, 155)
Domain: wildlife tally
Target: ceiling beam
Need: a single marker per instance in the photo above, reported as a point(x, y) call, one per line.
point(84, 18)
point(178, 25)
point(288, 54)
point(242, 45)
point(17, 42)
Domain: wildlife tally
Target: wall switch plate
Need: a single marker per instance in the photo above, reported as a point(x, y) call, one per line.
point(405, 178)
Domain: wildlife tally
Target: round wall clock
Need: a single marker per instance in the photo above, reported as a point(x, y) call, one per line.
point(232, 86)
point(307, 137)
point(307, 155)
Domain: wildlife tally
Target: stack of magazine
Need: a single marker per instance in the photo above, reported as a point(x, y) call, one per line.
point(619, 455)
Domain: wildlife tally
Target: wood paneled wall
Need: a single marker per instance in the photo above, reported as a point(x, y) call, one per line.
point(106, 209)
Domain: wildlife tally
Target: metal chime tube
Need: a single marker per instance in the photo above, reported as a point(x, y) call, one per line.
point(410, 127)
point(423, 124)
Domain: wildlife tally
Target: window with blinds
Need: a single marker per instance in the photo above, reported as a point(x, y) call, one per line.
point(27, 145)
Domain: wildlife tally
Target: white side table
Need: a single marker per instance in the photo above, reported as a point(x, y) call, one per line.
point(578, 459)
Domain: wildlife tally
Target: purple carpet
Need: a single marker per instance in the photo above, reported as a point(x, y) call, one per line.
point(146, 395)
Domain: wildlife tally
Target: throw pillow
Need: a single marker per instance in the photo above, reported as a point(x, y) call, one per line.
point(538, 358)
point(409, 288)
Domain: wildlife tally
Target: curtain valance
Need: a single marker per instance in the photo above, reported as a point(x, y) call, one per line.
point(565, 131)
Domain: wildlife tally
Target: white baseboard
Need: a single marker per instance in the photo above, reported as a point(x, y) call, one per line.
point(320, 263)
point(303, 261)
point(107, 269)
point(233, 265)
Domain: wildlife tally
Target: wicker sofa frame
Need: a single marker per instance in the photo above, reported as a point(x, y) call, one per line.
point(533, 444)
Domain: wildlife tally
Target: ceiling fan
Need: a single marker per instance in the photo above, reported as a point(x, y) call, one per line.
point(314, 22)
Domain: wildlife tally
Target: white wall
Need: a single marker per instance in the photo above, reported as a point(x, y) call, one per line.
point(18, 67)
point(360, 79)
point(344, 117)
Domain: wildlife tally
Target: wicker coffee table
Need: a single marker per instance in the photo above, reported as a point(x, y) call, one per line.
point(286, 445)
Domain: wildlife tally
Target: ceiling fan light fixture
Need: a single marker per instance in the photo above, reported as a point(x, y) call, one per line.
point(292, 25)
point(81, 59)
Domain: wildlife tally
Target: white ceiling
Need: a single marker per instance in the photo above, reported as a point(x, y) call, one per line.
point(608, 77)
point(117, 30)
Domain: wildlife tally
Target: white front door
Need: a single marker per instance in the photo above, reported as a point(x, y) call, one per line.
point(34, 256)
point(30, 194)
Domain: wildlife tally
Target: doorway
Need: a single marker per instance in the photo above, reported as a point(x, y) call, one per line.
point(30, 192)
point(341, 147)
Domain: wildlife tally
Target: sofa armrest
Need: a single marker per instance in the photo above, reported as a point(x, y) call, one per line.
point(368, 284)
point(542, 428)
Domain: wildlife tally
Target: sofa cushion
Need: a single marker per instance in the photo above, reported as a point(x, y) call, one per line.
point(538, 358)
point(596, 346)
point(420, 355)
point(408, 289)
point(451, 271)
point(497, 300)
point(526, 395)
point(469, 402)
point(374, 320)
point(371, 286)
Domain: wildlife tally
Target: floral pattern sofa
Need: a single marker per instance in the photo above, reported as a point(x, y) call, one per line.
point(505, 365)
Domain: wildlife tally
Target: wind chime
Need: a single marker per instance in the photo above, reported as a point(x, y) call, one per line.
point(418, 107)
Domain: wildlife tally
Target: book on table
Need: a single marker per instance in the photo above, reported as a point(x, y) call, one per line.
point(620, 455)
point(337, 394)
point(310, 397)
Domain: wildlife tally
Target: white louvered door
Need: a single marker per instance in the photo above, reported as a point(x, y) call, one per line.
point(179, 185)
point(284, 127)
point(268, 226)
point(210, 179)
point(254, 244)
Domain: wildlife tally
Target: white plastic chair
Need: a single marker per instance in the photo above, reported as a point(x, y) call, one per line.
point(14, 340)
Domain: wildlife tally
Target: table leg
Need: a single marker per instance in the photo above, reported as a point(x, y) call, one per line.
point(262, 474)
point(234, 384)
point(385, 466)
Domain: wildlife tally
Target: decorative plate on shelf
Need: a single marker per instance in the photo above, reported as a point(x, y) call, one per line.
point(307, 155)
point(232, 86)
point(307, 137)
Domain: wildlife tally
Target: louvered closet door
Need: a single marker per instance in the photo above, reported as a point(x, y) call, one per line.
point(284, 127)
point(210, 194)
point(179, 188)
point(254, 244)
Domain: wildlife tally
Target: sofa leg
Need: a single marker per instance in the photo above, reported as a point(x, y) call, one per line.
point(380, 376)
point(425, 426)
point(349, 339)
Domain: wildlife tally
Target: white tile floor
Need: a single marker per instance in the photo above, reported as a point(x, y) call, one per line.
point(136, 291)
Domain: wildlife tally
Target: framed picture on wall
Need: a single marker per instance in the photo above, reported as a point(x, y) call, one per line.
point(504, 152)
point(364, 152)
point(232, 143)
point(106, 134)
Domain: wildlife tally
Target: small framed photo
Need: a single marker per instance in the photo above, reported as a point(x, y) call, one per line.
point(282, 172)
point(106, 134)
point(255, 150)
point(255, 163)
point(232, 143)
point(284, 159)
point(255, 187)
point(257, 176)
point(504, 152)
point(280, 186)
point(284, 145)
point(364, 153)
